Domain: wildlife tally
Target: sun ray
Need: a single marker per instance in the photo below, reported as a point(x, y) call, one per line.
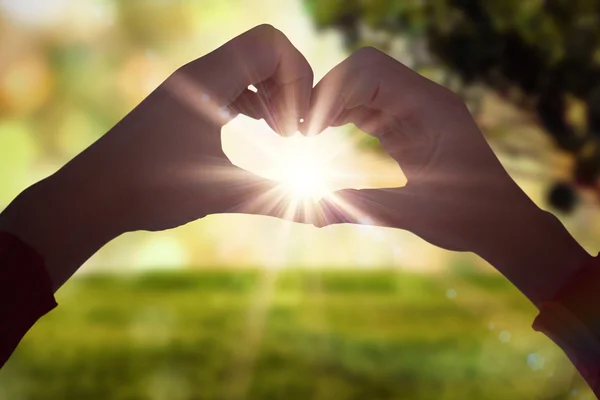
point(200, 100)
point(304, 166)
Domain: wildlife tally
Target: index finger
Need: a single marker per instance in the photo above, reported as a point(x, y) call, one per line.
point(260, 54)
point(367, 79)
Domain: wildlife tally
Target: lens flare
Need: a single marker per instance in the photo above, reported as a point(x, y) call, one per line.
point(304, 181)
point(303, 170)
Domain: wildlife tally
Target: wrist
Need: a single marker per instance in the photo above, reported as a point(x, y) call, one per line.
point(535, 252)
point(65, 222)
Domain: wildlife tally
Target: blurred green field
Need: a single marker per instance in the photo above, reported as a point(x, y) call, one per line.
point(294, 334)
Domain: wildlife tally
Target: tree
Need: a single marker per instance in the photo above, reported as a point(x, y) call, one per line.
point(539, 54)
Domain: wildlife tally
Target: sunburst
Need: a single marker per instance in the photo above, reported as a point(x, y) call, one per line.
point(305, 171)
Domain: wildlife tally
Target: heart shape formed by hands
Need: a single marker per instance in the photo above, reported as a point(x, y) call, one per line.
point(310, 168)
point(163, 165)
point(452, 173)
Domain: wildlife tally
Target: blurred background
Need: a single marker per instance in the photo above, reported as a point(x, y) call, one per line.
point(243, 307)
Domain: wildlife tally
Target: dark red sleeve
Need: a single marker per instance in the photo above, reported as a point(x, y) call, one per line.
point(572, 321)
point(25, 292)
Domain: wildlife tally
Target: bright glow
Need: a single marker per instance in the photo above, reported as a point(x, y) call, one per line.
point(302, 169)
point(304, 180)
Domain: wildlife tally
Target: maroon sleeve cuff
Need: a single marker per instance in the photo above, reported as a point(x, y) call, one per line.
point(572, 321)
point(25, 292)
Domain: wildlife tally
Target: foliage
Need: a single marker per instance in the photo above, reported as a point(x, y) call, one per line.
point(540, 54)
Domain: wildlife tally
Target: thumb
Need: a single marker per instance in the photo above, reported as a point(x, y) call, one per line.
point(247, 193)
point(389, 207)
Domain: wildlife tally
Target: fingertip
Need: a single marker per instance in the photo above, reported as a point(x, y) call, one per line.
point(331, 212)
point(343, 194)
point(290, 127)
point(292, 105)
point(310, 126)
point(302, 104)
point(274, 123)
point(301, 127)
point(321, 224)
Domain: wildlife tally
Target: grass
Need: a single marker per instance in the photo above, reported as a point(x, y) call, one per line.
point(298, 334)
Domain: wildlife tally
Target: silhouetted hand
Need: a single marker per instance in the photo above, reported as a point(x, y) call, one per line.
point(163, 165)
point(458, 195)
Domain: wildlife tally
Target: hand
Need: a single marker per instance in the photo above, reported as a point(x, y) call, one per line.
point(458, 195)
point(163, 165)
point(453, 176)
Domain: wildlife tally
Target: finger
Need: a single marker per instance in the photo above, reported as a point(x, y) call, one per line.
point(278, 103)
point(268, 92)
point(337, 91)
point(432, 219)
point(371, 121)
point(368, 78)
point(241, 192)
point(394, 207)
point(248, 104)
point(257, 105)
point(257, 55)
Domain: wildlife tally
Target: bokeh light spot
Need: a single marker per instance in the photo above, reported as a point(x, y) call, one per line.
point(535, 361)
point(504, 336)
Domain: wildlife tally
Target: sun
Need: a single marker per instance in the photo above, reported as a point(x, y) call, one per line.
point(307, 168)
point(303, 179)
point(303, 170)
